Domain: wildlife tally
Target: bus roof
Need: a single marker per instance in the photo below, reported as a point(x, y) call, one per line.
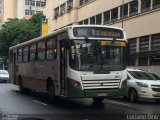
point(59, 31)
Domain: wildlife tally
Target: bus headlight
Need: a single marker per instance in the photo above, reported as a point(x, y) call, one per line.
point(73, 83)
point(76, 84)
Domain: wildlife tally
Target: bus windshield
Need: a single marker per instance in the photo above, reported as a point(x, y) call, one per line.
point(96, 55)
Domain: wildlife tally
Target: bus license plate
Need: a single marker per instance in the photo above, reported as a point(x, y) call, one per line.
point(102, 94)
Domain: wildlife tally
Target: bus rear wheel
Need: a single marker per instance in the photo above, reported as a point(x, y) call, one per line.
point(98, 99)
point(51, 97)
point(21, 88)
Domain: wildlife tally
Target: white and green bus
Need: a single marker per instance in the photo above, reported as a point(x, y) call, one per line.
point(78, 61)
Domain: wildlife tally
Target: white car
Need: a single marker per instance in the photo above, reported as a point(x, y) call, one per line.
point(141, 84)
point(4, 76)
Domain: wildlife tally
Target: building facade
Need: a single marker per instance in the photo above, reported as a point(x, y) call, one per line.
point(19, 9)
point(27, 8)
point(139, 18)
point(7, 10)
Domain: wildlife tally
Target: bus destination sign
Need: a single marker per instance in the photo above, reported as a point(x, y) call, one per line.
point(98, 32)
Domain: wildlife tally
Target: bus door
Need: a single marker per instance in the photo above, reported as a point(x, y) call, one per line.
point(63, 61)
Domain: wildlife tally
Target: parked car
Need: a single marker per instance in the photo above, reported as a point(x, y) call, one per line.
point(141, 84)
point(4, 76)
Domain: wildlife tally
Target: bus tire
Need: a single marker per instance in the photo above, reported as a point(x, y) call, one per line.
point(21, 88)
point(98, 99)
point(51, 97)
point(132, 96)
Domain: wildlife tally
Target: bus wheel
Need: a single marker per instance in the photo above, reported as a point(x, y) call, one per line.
point(132, 95)
point(51, 97)
point(98, 99)
point(21, 88)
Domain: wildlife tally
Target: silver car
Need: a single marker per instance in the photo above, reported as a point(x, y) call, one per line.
point(4, 76)
point(142, 85)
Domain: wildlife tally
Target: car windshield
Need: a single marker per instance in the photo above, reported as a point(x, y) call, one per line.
point(155, 76)
point(141, 75)
point(92, 55)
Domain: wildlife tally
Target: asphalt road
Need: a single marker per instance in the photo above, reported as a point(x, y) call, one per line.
point(17, 106)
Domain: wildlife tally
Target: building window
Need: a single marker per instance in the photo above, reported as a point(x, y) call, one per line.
point(92, 20)
point(99, 19)
point(156, 4)
point(38, 3)
point(143, 60)
point(132, 60)
point(33, 3)
point(43, 4)
point(124, 11)
point(133, 8)
point(39, 11)
point(82, 2)
point(86, 21)
point(27, 2)
point(56, 12)
point(132, 45)
point(114, 14)
point(81, 23)
point(69, 5)
point(27, 12)
point(132, 51)
point(155, 59)
point(155, 43)
point(32, 12)
point(62, 9)
point(145, 5)
point(144, 44)
point(106, 18)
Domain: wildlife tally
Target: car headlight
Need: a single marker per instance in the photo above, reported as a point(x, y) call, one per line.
point(141, 84)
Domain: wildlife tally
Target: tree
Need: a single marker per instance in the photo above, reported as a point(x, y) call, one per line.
point(16, 31)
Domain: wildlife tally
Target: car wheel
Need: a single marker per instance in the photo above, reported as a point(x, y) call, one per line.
point(157, 100)
point(132, 95)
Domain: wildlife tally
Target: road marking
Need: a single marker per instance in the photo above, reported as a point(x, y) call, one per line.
point(119, 103)
point(40, 102)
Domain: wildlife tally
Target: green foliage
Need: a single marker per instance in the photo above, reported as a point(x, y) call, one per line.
point(16, 31)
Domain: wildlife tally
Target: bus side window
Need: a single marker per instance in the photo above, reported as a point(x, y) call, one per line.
point(51, 49)
point(32, 54)
point(19, 59)
point(41, 50)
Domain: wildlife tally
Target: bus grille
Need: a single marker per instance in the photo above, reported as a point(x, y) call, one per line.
point(101, 84)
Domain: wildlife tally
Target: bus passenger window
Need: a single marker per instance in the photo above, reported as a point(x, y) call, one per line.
point(25, 54)
point(19, 55)
point(51, 49)
point(41, 50)
point(33, 52)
